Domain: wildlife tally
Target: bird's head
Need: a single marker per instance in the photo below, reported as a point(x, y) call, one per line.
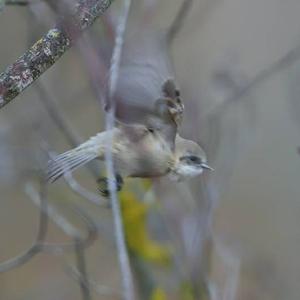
point(190, 160)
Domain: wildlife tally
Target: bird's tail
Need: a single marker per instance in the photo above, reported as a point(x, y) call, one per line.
point(75, 158)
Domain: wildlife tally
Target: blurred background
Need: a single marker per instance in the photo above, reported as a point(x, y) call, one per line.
point(230, 234)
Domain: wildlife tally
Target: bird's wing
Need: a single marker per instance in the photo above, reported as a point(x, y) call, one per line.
point(146, 86)
point(77, 157)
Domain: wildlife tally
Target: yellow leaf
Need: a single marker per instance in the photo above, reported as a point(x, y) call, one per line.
point(134, 214)
point(158, 294)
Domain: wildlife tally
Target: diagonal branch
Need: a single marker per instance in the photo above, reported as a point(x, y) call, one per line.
point(40, 236)
point(179, 20)
point(15, 2)
point(123, 257)
point(47, 50)
point(284, 62)
point(81, 264)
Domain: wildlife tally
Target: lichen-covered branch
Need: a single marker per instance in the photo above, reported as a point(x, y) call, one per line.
point(46, 51)
point(18, 2)
point(14, 2)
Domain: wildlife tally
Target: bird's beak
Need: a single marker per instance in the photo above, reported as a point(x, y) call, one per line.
point(206, 167)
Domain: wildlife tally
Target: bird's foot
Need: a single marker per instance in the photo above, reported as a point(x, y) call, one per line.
point(103, 185)
point(174, 104)
point(170, 108)
point(176, 109)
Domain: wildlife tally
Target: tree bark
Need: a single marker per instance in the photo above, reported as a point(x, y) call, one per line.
point(47, 50)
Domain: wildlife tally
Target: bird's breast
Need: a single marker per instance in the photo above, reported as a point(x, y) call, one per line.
point(149, 157)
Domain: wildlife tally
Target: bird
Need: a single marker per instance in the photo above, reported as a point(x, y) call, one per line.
point(137, 151)
point(148, 108)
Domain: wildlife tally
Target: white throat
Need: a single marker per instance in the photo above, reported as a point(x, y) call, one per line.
point(185, 172)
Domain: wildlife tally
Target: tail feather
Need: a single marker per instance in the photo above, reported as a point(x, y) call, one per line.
point(59, 161)
point(73, 159)
point(60, 165)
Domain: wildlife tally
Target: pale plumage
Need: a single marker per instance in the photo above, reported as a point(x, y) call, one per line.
point(136, 152)
point(149, 110)
point(146, 92)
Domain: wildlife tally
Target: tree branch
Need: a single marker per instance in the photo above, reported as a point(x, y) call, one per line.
point(40, 236)
point(284, 62)
point(17, 2)
point(47, 50)
point(81, 264)
point(127, 279)
point(179, 20)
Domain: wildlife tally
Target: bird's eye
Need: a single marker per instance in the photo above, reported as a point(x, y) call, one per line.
point(191, 159)
point(195, 159)
point(151, 130)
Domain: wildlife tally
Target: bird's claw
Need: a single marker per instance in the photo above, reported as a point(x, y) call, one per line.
point(103, 185)
point(173, 101)
point(176, 109)
point(170, 108)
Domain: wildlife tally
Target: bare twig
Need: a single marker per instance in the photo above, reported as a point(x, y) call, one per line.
point(58, 117)
point(18, 2)
point(81, 191)
point(19, 260)
point(99, 289)
point(127, 280)
point(64, 225)
point(39, 245)
point(46, 51)
point(63, 124)
point(78, 189)
point(56, 217)
point(73, 138)
point(232, 266)
point(282, 63)
point(15, 2)
point(40, 237)
point(96, 67)
point(179, 19)
point(81, 265)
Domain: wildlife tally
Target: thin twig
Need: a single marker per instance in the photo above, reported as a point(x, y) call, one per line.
point(39, 244)
point(83, 192)
point(232, 268)
point(99, 289)
point(95, 66)
point(58, 117)
point(55, 216)
point(71, 135)
point(61, 121)
point(282, 63)
point(19, 2)
point(77, 188)
point(47, 50)
point(19, 260)
point(40, 237)
point(127, 280)
point(16, 3)
point(64, 225)
point(81, 265)
point(179, 19)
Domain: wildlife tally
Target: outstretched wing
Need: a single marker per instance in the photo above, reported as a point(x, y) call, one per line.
point(146, 92)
